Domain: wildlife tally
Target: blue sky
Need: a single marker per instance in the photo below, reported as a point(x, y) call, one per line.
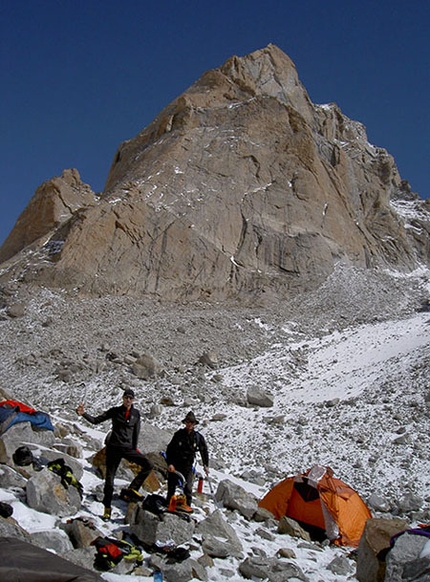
point(81, 76)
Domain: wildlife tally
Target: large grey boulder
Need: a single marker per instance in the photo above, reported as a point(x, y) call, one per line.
point(184, 571)
point(404, 561)
point(9, 477)
point(373, 547)
point(10, 528)
point(82, 557)
point(234, 496)
point(20, 434)
point(258, 397)
point(215, 547)
point(151, 528)
point(46, 493)
point(56, 541)
point(340, 565)
point(146, 367)
point(219, 536)
point(272, 569)
point(379, 503)
point(81, 532)
point(288, 526)
point(153, 439)
point(409, 502)
point(49, 455)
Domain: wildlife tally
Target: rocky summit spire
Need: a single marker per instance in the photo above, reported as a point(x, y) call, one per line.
point(240, 187)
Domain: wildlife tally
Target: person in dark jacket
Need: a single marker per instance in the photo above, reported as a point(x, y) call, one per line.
point(180, 456)
point(122, 444)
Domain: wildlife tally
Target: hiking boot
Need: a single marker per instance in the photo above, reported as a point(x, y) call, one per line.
point(107, 514)
point(135, 495)
point(183, 506)
point(130, 495)
point(172, 504)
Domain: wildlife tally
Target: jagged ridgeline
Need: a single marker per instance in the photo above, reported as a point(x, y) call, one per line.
point(240, 187)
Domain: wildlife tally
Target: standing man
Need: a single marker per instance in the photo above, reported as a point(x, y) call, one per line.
point(121, 444)
point(180, 455)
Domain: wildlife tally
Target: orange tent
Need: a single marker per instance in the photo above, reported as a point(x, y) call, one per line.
point(321, 504)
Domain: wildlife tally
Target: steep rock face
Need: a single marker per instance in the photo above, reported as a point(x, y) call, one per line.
point(53, 203)
point(241, 186)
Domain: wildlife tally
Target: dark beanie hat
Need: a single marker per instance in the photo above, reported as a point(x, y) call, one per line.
point(128, 392)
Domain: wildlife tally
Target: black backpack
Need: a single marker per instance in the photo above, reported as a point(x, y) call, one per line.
point(155, 504)
point(6, 510)
point(23, 456)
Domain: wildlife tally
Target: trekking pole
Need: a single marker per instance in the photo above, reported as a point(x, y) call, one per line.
point(83, 400)
point(180, 478)
point(84, 397)
point(211, 489)
point(85, 394)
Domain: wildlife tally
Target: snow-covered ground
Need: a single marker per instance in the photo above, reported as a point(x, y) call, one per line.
point(347, 393)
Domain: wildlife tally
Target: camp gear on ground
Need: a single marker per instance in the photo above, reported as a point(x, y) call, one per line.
point(321, 504)
point(59, 467)
point(155, 504)
point(111, 551)
point(23, 456)
point(12, 411)
point(177, 555)
point(173, 552)
point(178, 503)
point(39, 463)
point(181, 504)
point(6, 510)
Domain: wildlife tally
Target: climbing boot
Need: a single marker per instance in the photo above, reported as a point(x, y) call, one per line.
point(130, 495)
point(184, 508)
point(182, 505)
point(172, 503)
point(107, 514)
